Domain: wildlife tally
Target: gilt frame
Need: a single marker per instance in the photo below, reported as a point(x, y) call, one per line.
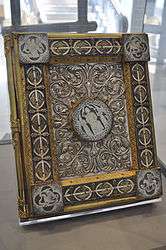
point(139, 183)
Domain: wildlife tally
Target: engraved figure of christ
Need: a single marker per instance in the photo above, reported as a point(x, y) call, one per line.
point(92, 121)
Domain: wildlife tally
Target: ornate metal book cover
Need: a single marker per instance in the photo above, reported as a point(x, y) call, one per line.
point(81, 120)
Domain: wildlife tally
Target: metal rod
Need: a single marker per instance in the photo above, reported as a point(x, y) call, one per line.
point(82, 10)
point(56, 27)
point(138, 13)
point(15, 12)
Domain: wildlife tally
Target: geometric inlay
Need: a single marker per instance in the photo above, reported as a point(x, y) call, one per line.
point(47, 199)
point(136, 47)
point(149, 183)
point(33, 48)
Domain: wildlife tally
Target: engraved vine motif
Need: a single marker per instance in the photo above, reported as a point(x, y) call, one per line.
point(71, 85)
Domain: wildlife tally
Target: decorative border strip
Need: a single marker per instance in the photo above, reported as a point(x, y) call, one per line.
point(111, 189)
point(130, 114)
point(143, 114)
point(86, 47)
point(38, 117)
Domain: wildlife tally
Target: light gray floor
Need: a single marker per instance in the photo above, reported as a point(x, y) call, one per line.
point(139, 228)
point(4, 99)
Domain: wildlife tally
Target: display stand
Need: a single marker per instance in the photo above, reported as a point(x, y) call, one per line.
point(95, 211)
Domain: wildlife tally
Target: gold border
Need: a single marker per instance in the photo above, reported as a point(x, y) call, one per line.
point(130, 114)
point(23, 114)
point(87, 35)
point(50, 126)
point(156, 163)
point(53, 35)
point(98, 204)
point(96, 178)
point(26, 150)
point(84, 59)
point(79, 35)
point(16, 125)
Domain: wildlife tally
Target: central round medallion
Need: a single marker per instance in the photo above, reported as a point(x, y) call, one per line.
point(92, 120)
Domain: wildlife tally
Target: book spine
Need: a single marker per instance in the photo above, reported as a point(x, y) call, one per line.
point(15, 126)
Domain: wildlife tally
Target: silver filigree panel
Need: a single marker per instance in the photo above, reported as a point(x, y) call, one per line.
point(73, 86)
point(136, 47)
point(47, 199)
point(33, 48)
point(149, 183)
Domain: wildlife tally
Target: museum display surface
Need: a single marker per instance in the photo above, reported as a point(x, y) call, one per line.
point(82, 123)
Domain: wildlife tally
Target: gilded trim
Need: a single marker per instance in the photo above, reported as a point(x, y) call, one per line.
point(50, 125)
point(15, 126)
point(130, 113)
point(156, 163)
point(24, 122)
point(96, 178)
point(98, 204)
